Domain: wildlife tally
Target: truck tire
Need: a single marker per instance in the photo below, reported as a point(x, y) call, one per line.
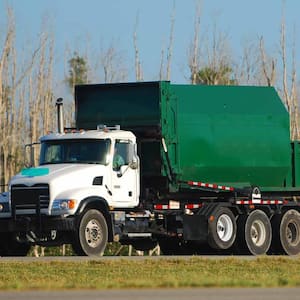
point(221, 228)
point(91, 235)
point(286, 233)
point(255, 233)
point(11, 247)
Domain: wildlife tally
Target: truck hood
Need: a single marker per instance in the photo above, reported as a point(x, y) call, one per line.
point(82, 174)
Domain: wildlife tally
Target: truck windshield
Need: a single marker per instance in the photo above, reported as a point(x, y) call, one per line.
point(83, 151)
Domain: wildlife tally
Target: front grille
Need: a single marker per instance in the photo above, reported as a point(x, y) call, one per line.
point(30, 197)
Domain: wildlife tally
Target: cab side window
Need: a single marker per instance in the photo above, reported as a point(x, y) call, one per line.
point(121, 156)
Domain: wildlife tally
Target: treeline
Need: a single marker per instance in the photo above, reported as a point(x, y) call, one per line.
point(27, 81)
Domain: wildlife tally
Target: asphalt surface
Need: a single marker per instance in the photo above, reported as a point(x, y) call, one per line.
point(86, 258)
point(161, 294)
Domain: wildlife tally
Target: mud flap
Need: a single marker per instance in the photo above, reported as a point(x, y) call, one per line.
point(195, 228)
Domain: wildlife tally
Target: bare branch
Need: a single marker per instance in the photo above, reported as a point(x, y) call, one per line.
point(270, 78)
point(170, 48)
point(138, 68)
point(112, 64)
point(194, 54)
point(161, 69)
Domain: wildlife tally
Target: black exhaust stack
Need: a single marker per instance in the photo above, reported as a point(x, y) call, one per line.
point(60, 115)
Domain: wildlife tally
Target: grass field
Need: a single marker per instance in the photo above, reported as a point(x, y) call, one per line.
point(172, 273)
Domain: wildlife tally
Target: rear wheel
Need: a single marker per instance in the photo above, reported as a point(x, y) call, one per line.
point(91, 236)
point(286, 231)
point(222, 228)
point(256, 234)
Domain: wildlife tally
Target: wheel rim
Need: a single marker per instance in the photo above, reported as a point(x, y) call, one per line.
point(93, 233)
point(292, 233)
point(224, 228)
point(258, 233)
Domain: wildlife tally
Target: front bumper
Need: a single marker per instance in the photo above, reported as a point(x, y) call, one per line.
point(37, 224)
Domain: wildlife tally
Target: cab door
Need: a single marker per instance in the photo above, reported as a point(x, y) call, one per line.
point(125, 174)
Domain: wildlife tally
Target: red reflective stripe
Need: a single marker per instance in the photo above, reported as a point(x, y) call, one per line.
point(187, 206)
point(161, 206)
point(193, 206)
point(261, 202)
point(243, 202)
point(211, 185)
point(272, 201)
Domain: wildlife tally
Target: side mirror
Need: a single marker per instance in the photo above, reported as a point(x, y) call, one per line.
point(29, 155)
point(133, 164)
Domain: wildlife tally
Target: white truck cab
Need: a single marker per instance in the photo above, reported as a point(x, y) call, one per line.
point(82, 176)
point(80, 164)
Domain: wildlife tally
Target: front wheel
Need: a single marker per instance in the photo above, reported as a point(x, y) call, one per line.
point(221, 229)
point(91, 236)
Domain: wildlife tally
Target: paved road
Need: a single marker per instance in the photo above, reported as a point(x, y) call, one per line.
point(86, 258)
point(163, 294)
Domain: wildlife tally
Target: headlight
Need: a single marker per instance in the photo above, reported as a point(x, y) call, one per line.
point(4, 205)
point(64, 204)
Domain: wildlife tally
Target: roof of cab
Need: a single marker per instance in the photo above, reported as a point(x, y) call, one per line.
point(90, 134)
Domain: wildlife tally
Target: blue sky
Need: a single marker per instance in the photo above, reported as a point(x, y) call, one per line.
point(74, 22)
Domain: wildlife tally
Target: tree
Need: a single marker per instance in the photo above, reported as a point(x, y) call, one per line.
point(78, 71)
point(137, 62)
point(25, 97)
point(210, 64)
point(290, 95)
point(112, 64)
point(166, 74)
point(194, 48)
point(221, 75)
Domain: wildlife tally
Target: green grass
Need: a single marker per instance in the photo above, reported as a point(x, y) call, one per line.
point(169, 273)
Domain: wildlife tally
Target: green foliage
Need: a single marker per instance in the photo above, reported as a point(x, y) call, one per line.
point(146, 273)
point(54, 251)
point(116, 249)
point(78, 71)
point(220, 75)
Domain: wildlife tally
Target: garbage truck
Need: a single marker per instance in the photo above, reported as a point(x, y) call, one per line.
point(193, 169)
